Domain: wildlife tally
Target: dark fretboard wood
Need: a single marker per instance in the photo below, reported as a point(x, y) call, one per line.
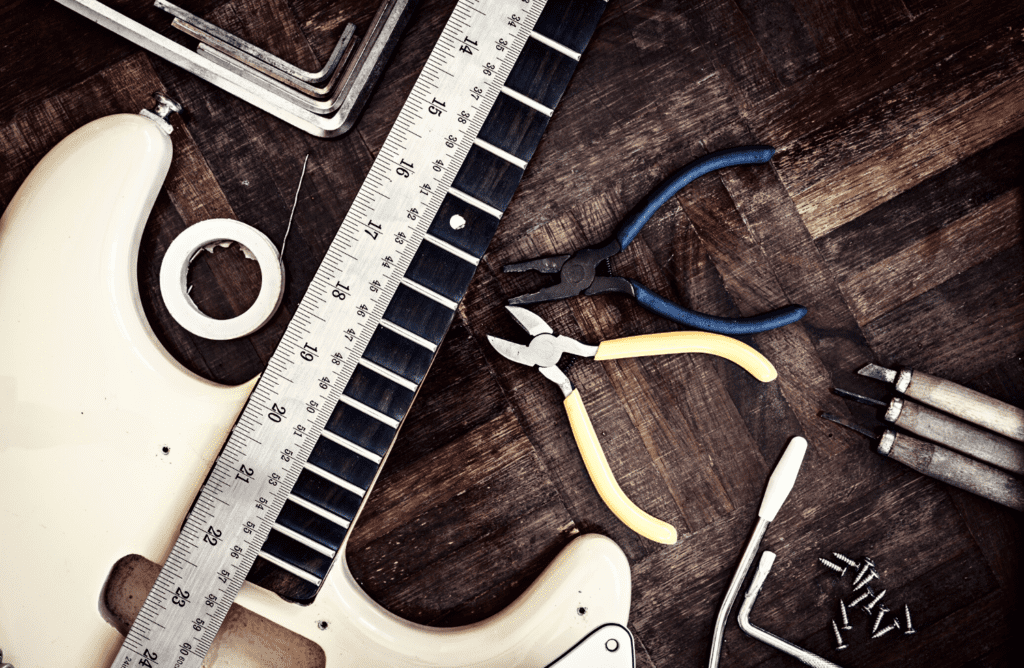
point(340, 473)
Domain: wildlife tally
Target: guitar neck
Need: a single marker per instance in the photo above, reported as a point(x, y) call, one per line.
point(332, 489)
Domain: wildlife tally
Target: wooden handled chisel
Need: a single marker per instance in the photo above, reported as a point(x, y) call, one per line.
point(953, 398)
point(946, 465)
point(946, 430)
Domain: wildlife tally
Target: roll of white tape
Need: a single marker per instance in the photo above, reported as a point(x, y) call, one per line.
point(174, 278)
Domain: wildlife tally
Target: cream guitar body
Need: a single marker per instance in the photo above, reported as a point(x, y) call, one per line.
point(105, 440)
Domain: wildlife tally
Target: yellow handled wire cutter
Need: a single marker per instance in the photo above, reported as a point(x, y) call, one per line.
point(544, 352)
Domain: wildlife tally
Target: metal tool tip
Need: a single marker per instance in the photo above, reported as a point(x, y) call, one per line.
point(846, 394)
point(507, 349)
point(878, 373)
point(544, 265)
point(831, 417)
point(528, 320)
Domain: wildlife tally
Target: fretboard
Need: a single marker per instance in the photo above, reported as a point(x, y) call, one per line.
point(311, 530)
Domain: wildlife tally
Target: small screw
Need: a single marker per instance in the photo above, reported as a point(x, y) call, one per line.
point(910, 627)
point(860, 573)
point(871, 575)
point(881, 632)
point(871, 604)
point(882, 611)
point(833, 566)
point(855, 602)
point(845, 559)
point(843, 616)
point(839, 639)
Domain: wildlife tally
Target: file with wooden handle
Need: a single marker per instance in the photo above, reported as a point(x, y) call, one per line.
point(953, 398)
point(947, 430)
point(944, 464)
point(951, 467)
point(961, 436)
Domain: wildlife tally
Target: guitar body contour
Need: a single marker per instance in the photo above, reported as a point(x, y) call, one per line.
point(105, 440)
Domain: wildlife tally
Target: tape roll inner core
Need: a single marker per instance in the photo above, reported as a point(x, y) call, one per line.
point(174, 279)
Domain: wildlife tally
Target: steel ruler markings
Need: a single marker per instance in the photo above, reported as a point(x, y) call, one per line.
point(245, 491)
point(372, 389)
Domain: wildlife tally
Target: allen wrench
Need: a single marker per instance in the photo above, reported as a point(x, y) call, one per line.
point(254, 70)
point(340, 90)
point(802, 655)
point(353, 90)
point(311, 83)
point(320, 107)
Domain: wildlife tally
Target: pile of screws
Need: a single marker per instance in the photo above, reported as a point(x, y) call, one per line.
point(865, 598)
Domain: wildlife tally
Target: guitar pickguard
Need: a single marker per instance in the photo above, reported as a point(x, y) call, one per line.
point(105, 440)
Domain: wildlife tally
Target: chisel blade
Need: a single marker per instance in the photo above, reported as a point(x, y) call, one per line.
point(831, 417)
point(878, 373)
point(859, 398)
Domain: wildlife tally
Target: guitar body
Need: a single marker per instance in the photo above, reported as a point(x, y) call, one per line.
point(105, 440)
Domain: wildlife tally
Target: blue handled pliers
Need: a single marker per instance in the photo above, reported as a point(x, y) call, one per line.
point(578, 272)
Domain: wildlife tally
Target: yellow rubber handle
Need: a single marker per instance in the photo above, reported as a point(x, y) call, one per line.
point(671, 343)
point(603, 479)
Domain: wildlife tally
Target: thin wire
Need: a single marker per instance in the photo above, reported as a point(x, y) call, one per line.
point(294, 204)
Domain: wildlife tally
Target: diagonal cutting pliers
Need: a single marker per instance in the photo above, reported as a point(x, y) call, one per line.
point(546, 349)
point(578, 271)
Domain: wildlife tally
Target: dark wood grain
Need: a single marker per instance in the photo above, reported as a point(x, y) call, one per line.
point(892, 211)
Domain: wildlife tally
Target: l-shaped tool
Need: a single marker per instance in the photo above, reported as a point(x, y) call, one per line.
point(578, 271)
point(779, 486)
point(804, 656)
point(545, 350)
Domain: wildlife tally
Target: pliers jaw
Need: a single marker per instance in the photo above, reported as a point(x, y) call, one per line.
point(606, 285)
point(545, 349)
point(576, 273)
point(544, 352)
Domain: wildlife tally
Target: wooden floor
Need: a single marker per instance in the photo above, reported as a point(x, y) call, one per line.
point(892, 211)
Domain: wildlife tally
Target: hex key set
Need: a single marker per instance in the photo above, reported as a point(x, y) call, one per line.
point(324, 104)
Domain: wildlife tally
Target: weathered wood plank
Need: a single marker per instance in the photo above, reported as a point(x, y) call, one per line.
point(783, 38)
point(939, 201)
point(873, 67)
point(940, 125)
point(924, 97)
point(892, 211)
point(936, 258)
point(730, 42)
point(463, 507)
point(983, 330)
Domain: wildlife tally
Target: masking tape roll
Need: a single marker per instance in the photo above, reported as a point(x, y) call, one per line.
point(174, 278)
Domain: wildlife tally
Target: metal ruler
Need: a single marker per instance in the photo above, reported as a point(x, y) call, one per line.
point(343, 306)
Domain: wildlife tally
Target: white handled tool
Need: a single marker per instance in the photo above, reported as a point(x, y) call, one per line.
point(779, 486)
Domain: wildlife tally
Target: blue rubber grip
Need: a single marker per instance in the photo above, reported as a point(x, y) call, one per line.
point(740, 155)
point(710, 323)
